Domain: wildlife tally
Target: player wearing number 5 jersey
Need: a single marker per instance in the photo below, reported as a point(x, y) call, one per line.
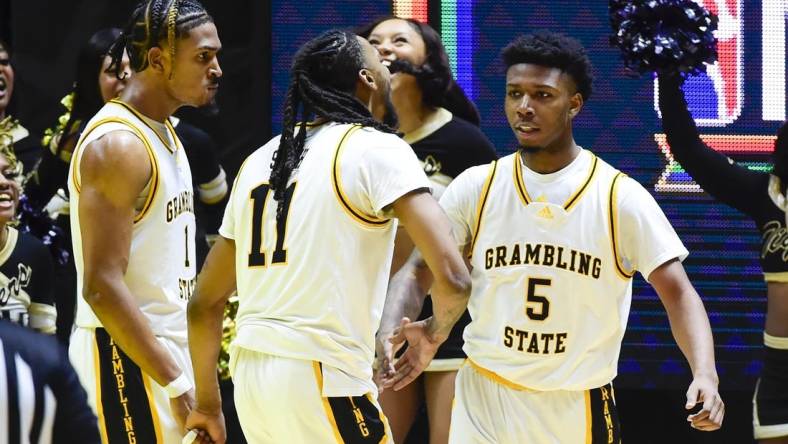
point(554, 236)
point(132, 223)
point(307, 240)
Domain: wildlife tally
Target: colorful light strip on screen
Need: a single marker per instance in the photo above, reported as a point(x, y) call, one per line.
point(675, 179)
point(456, 32)
point(415, 9)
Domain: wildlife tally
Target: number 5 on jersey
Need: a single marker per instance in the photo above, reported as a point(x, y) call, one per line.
point(541, 310)
point(259, 197)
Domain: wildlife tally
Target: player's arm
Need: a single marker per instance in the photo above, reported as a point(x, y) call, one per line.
point(406, 292)
point(114, 170)
point(690, 326)
point(428, 226)
point(215, 284)
point(650, 244)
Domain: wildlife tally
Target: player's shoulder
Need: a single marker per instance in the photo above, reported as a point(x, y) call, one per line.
point(476, 176)
point(260, 159)
point(368, 138)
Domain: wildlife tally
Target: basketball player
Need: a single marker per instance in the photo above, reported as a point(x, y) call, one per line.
point(132, 224)
point(307, 240)
point(555, 235)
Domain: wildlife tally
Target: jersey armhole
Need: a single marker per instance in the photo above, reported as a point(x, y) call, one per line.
point(480, 206)
point(621, 271)
point(154, 180)
point(344, 202)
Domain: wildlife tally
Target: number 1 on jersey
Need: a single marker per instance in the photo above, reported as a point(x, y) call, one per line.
point(259, 198)
point(186, 241)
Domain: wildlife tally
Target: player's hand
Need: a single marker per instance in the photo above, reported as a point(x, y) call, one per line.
point(704, 390)
point(180, 407)
point(422, 346)
point(209, 426)
point(385, 350)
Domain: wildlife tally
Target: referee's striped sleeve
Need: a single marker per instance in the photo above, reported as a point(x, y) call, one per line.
point(41, 399)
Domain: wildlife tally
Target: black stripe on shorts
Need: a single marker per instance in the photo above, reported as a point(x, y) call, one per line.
point(605, 428)
point(124, 400)
point(358, 419)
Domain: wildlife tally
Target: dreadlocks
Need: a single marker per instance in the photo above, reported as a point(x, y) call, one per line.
point(323, 82)
point(152, 22)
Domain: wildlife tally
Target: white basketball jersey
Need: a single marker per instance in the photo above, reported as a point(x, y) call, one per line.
point(313, 285)
point(162, 260)
point(551, 293)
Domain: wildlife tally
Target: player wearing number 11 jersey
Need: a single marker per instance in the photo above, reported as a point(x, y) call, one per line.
point(307, 240)
point(554, 236)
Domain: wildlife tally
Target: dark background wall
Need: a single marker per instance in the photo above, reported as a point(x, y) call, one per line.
point(46, 34)
point(259, 38)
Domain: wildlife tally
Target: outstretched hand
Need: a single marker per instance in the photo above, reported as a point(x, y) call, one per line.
point(422, 346)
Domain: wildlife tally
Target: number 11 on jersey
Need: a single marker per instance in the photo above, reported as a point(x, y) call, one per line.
point(259, 198)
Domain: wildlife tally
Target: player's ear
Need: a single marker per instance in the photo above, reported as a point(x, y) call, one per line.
point(575, 104)
point(365, 77)
point(156, 59)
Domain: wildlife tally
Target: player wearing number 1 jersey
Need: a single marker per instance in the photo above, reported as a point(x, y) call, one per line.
point(132, 223)
point(309, 233)
point(554, 236)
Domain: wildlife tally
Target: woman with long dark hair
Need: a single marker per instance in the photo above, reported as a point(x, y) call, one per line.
point(441, 124)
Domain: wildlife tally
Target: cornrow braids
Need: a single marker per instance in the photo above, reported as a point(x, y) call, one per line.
point(152, 22)
point(323, 82)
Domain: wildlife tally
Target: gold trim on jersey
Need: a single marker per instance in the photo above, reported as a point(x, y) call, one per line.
point(589, 418)
point(613, 215)
point(481, 204)
point(153, 412)
point(779, 276)
point(434, 122)
point(445, 365)
point(495, 377)
point(10, 244)
point(326, 405)
point(573, 199)
point(99, 407)
point(167, 124)
point(154, 164)
point(383, 419)
point(336, 179)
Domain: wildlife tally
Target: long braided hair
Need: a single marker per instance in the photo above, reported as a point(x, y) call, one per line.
point(322, 84)
point(152, 22)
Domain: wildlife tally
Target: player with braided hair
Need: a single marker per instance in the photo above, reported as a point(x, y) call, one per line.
point(307, 241)
point(133, 226)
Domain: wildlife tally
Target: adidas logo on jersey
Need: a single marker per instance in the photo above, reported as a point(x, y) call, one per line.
point(545, 213)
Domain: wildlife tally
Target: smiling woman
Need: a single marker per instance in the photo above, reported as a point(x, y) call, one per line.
point(25, 264)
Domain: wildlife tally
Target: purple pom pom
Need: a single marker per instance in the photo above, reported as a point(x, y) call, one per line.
point(38, 223)
point(663, 36)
